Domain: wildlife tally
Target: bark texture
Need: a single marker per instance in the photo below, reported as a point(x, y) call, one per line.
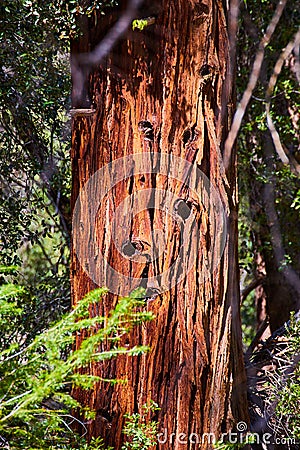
point(163, 91)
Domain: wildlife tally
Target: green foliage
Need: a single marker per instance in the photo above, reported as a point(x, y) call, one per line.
point(35, 168)
point(296, 201)
point(94, 444)
point(141, 433)
point(36, 379)
point(248, 317)
point(287, 391)
point(140, 24)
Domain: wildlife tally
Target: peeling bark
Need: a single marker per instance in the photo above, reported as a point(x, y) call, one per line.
point(160, 92)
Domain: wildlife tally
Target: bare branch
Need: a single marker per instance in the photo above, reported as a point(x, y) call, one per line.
point(84, 62)
point(253, 285)
point(277, 69)
point(241, 109)
point(227, 106)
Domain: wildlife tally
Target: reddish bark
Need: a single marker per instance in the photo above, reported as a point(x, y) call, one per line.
point(171, 75)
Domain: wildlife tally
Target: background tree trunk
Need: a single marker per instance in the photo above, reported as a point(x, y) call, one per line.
point(272, 239)
point(163, 91)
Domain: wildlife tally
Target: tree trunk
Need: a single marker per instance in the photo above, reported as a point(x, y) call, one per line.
point(167, 220)
point(272, 239)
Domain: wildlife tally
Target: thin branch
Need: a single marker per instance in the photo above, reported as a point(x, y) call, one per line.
point(16, 409)
point(84, 62)
point(264, 325)
point(241, 109)
point(297, 62)
point(253, 285)
point(233, 16)
point(277, 69)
